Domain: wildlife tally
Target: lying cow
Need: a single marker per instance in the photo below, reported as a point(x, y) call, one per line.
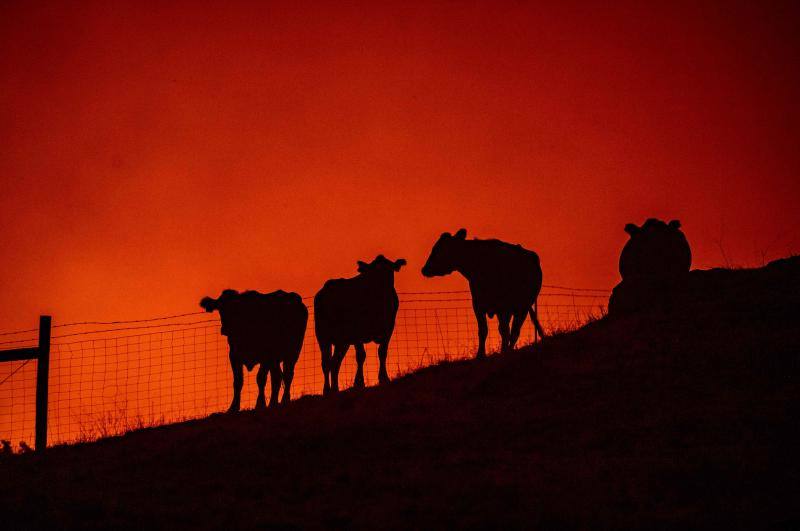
point(654, 266)
point(265, 329)
point(354, 311)
point(504, 279)
point(655, 250)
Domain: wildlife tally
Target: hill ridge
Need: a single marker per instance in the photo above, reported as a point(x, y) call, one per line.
point(667, 419)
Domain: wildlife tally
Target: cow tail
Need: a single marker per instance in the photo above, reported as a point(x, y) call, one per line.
point(537, 327)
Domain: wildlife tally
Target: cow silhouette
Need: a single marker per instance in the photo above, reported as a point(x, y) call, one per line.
point(354, 311)
point(654, 265)
point(264, 329)
point(656, 249)
point(504, 279)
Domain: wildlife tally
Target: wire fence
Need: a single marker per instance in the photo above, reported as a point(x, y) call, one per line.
point(109, 377)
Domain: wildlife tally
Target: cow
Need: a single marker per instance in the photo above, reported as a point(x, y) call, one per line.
point(354, 311)
point(264, 329)
point(654, 264)
point(504, 279)
point(656, 249)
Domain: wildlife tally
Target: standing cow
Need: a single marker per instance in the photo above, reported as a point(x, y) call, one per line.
point(354, 311)
point(262, 328)
point(504, 279)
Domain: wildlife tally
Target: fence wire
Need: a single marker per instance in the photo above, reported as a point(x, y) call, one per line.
point(108, 377)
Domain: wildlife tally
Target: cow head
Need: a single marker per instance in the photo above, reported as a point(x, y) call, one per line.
point(651, 226)
point(656, 249)
point(222, 305)
point(443, 259)
point(381, 267)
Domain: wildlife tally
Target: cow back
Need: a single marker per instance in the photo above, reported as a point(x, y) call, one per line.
point(260, 324)
point(355, 310)
point(503, 277)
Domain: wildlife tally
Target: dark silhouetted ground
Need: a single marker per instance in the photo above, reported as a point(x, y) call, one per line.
point(671, 420)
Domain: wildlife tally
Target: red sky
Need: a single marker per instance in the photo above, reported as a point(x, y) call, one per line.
point(152, 155)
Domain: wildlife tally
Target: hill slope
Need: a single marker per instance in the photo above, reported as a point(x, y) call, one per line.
point(665, 420)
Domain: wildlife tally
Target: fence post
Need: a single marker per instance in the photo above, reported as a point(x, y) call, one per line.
point(42, 377)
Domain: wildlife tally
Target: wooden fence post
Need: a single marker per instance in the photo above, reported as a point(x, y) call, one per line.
point(42, 381)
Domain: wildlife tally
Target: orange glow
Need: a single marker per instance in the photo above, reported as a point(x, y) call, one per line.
point(153, 155)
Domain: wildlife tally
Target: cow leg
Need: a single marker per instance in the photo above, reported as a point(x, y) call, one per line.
point(276, 377)
point(238, 382)
point(502, 325)
point(325, 349)
point(361, 357)
point(483, 331)
point(516, 326)
point(261, 380)
point(339, 352)
point(383, 352)
point(288, 375)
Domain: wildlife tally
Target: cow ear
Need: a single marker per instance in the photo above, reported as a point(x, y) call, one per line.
point(208, 304)
point(400, 262)
point(675, 224)
point(461, 234)
point(362, 266)
point(631, 229)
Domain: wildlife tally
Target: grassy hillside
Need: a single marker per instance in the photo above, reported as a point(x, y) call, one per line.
point(683, 419)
